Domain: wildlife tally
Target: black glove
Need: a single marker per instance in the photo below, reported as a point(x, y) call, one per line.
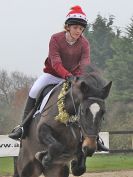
point(69, 79)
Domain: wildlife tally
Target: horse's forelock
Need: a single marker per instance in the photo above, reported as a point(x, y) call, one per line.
point(93, 77)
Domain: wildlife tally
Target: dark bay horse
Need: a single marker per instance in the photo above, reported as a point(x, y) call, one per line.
point(52, 144)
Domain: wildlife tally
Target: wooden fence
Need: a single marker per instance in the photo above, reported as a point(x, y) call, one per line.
point(129, 150)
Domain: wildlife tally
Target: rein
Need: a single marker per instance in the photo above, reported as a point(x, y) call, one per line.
point(55, 101)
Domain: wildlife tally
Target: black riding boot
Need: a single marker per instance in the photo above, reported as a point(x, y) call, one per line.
point(19, 131)
point(100, 145)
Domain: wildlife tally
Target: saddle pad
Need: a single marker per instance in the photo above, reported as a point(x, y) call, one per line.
point(46, 98)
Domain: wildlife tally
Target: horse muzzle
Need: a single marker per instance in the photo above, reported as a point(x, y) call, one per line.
point(89, 145)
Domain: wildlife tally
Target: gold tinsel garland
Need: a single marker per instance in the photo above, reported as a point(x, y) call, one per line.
point(63, 116)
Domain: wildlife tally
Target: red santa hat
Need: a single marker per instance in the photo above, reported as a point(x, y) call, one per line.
point(76, 16)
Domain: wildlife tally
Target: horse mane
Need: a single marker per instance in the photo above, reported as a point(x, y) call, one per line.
point(93, 76)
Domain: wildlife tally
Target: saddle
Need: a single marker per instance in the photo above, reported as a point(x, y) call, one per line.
point(35, 111)
point(41, 97)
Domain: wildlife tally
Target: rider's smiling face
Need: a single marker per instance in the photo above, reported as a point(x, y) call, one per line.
point(75, 31)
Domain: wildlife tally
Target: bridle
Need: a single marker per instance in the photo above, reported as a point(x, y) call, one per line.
point(89, 98)
point(78, 112)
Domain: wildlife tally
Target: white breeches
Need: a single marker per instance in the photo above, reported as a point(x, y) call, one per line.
point(44, 80)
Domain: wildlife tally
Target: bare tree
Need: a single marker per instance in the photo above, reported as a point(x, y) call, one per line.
point(14, 89)
point(20, 80)
point(5, 86)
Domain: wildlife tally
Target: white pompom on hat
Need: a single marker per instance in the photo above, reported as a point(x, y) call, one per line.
point(76, 16)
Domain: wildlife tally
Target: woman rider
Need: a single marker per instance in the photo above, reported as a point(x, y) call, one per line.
point(69, 52)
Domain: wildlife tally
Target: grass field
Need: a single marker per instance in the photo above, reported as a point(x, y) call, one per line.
point(99, 162)
point(110, 162)
point(6, 166)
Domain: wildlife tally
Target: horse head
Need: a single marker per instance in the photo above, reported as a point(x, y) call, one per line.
point(89, 94)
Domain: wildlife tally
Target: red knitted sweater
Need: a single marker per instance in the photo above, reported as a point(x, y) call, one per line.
point(65, 59)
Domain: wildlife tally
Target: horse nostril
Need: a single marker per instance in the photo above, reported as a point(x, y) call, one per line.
point(88, 151)
point(85, 149)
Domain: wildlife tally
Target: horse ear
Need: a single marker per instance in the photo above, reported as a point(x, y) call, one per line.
point(84, 87)
point(106, 90)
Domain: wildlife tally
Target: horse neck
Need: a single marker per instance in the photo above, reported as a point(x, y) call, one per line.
point(71, 103)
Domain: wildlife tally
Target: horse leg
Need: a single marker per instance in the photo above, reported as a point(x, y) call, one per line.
point(57, 170)
point(15, 168)
point(32, 169)
point(64, 171)
point(15, 172)
point(45, 135)
point(78, 166)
